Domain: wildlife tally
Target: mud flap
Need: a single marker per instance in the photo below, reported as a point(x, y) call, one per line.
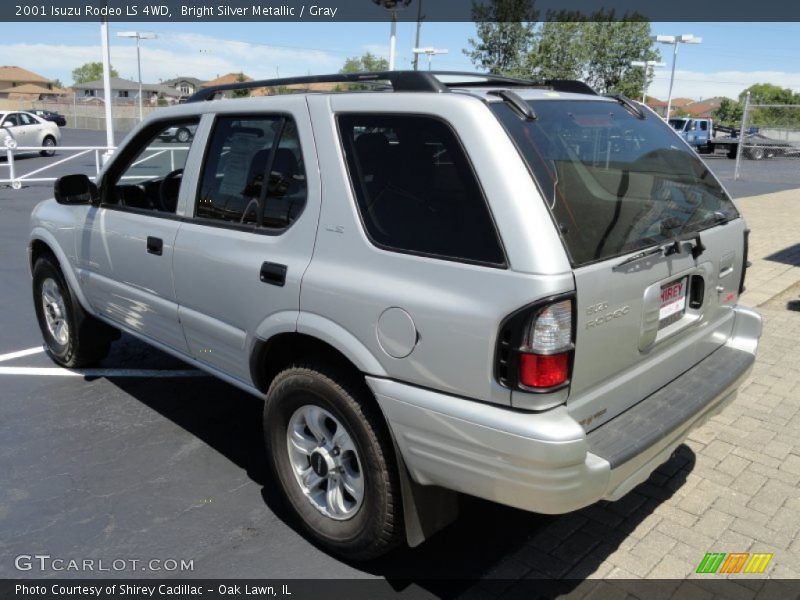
point(426, 508)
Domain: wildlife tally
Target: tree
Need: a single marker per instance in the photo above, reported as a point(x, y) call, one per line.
point(729, 112)
point(773, 116)
point(611, 47)
point(598, 49)
point(558, 51)
point(505, 31)
point(768, 93)
point(91, 71)
point(57, 84)
point(241, 93)
point(366, 62)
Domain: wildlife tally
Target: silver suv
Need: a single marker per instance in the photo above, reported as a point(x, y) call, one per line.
point(438, 283)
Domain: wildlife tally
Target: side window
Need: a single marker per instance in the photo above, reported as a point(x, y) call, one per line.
point(27, 119)
point(152, 173)
point(704, 125)
point(415, 188)
point(253, 172)
point(12, 120)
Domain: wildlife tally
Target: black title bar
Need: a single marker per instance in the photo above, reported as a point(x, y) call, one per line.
point(366, 10)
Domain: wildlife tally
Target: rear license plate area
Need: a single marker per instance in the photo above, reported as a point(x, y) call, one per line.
point(673, 302)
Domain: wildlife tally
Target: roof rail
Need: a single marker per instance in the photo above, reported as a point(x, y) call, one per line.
point(406, 81)
point(570, 85)
point(401, 81)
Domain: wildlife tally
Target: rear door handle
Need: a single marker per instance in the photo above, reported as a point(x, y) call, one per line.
point(273, 273)
point(155, 245)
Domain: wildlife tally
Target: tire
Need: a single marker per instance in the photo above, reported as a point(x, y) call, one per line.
point(183, 135)
point(80, 340)
point(353, 526)
point(756, 153)
point(49, 142)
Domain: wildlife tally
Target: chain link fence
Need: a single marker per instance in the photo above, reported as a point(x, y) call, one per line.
point(770, 146)
point(85, 113)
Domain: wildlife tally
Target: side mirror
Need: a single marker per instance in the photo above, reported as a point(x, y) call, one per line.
point(74, 189)
point(7, 125)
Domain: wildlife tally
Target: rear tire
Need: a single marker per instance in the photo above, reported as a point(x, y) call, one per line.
point(72, 337)
point(309, 402)
point(756, 153)
point(183, 135)
point(49, 143)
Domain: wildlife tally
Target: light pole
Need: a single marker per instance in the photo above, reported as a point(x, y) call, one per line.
point(674, 40)
point(392, 6)
point(429, 52)
point(138, 35)
point(419, 27)
point(648, 65)
point(107, 88)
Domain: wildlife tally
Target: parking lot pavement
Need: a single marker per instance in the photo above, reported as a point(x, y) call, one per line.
point(26, 163)
point(755, 177)
point(111, 466)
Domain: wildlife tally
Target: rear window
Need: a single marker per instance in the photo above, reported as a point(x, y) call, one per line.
point(614, 183)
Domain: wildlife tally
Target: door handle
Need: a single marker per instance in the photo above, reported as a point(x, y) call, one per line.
point(273, 273)
point(155, 245)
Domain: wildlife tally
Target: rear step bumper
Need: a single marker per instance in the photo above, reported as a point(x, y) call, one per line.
point(643, 425)
point(545, 462)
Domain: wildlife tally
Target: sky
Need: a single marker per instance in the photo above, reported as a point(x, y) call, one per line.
point(731, 57)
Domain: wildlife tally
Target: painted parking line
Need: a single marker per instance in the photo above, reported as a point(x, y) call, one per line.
point(21, 353)
point(61, 372)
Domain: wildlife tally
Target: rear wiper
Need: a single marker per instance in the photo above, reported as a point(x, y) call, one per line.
point(697, 248)
point(516, 102)
point(632, 107)
point(638, 257)
point(674, 247)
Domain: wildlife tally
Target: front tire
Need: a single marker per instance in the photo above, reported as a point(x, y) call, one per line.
point(329, 450)
point(71, 336)
point(49, 143)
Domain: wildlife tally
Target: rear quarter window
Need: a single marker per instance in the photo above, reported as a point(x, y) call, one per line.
point(416, 190)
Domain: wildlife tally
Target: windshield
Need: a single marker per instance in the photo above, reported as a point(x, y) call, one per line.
point(677, 124)
point(614, 183)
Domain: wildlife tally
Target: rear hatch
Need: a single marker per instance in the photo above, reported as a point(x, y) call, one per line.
point(655, 243)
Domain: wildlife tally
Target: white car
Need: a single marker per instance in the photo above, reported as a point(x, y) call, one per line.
point(26, 129)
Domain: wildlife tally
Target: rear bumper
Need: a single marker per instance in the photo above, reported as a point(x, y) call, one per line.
point(545, 462)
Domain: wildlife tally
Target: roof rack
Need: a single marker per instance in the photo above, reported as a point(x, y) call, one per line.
point(402, 81)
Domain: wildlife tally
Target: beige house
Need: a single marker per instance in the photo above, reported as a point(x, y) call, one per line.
point(17, 83)
point(226, 79)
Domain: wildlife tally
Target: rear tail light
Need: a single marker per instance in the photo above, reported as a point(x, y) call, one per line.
point(550, 329)
point(535, 347)
point(543, 371)
point(545, 353)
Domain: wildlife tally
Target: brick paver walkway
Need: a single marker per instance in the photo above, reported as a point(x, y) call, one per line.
point(733, 487)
